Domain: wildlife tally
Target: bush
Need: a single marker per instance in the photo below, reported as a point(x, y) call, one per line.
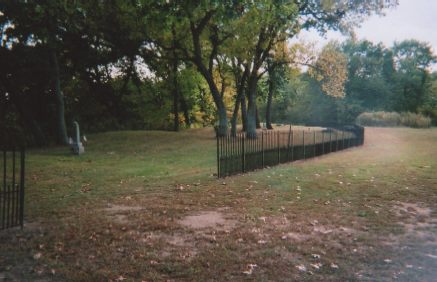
point(415, 120)
point(391, 119)
point(379, 119)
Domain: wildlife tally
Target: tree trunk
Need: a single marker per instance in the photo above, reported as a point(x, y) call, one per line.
point(241, 84)
point(244, 112)
point(175, 95)
point(223, 120)
point(269, 105)
point(221, 109)
point(235, 115)
point(62, 137)
point(258, 122)
point(222, 128)
point(251, 108)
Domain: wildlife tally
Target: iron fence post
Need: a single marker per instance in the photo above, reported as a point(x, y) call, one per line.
point(292, 145)
point(323, 142)
point(4, 189)
point(288, 144)
point(314, 144)
point(330, 140)
point(279, 148)
point(342, 139)
point(262, 149)
point(218, 156)
point(22, 168)
point(243, 154)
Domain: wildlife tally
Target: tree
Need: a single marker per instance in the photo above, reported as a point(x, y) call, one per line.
point(412, 61)
point(258, 29)
point(330, 69)
point(277, 21)
point(94, 52)
point(370, 75)
point(206, 25)
point(277, 76)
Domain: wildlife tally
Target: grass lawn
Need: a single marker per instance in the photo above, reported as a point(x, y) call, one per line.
point(146, 206)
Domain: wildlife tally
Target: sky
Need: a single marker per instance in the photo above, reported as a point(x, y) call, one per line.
point(411, 19)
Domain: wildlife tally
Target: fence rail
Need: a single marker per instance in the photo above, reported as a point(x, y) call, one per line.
point(238, 154)
point(12, 192)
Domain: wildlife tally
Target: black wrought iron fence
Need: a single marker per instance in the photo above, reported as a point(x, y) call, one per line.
point(238, 154)
point(12, 192)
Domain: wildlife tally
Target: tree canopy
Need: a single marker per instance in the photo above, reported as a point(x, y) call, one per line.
point(160, 64)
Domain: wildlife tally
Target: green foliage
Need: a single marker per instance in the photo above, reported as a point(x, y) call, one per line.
point(330, 70)
point(195, 91)
point(412, 61)
point(378, 79)
point(121, 61)
point(392, 119)
point(429, 106)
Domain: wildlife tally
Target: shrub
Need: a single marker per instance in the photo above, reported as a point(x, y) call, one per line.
point(379, 119)
point(393, 119)
point(415, 120)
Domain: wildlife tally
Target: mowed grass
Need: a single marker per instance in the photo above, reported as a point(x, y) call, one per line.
point(116, 213)
point(117, 164)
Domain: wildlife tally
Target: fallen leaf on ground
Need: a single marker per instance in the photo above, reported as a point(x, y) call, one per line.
point(37, 256)
point(250, 268)
point(316, 265)
point(301, 267)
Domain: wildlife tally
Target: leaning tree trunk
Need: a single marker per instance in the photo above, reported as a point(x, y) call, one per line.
point(269, 105)
point(207, 73)
point(61, 128)
point(251, 108)
point(239, 100)
point(222, 128)
point(244, 112)
point(235, 114)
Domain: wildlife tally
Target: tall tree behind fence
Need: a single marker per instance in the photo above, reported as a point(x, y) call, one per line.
point(238, 154)
point(12, 192)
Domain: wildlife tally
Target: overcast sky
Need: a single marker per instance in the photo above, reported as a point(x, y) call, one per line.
point(411, 19)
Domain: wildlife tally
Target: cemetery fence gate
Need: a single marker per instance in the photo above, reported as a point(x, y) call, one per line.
point(12, 188)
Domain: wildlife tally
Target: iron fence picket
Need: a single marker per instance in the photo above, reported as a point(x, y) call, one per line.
point(4, 190)
point(314, 144)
